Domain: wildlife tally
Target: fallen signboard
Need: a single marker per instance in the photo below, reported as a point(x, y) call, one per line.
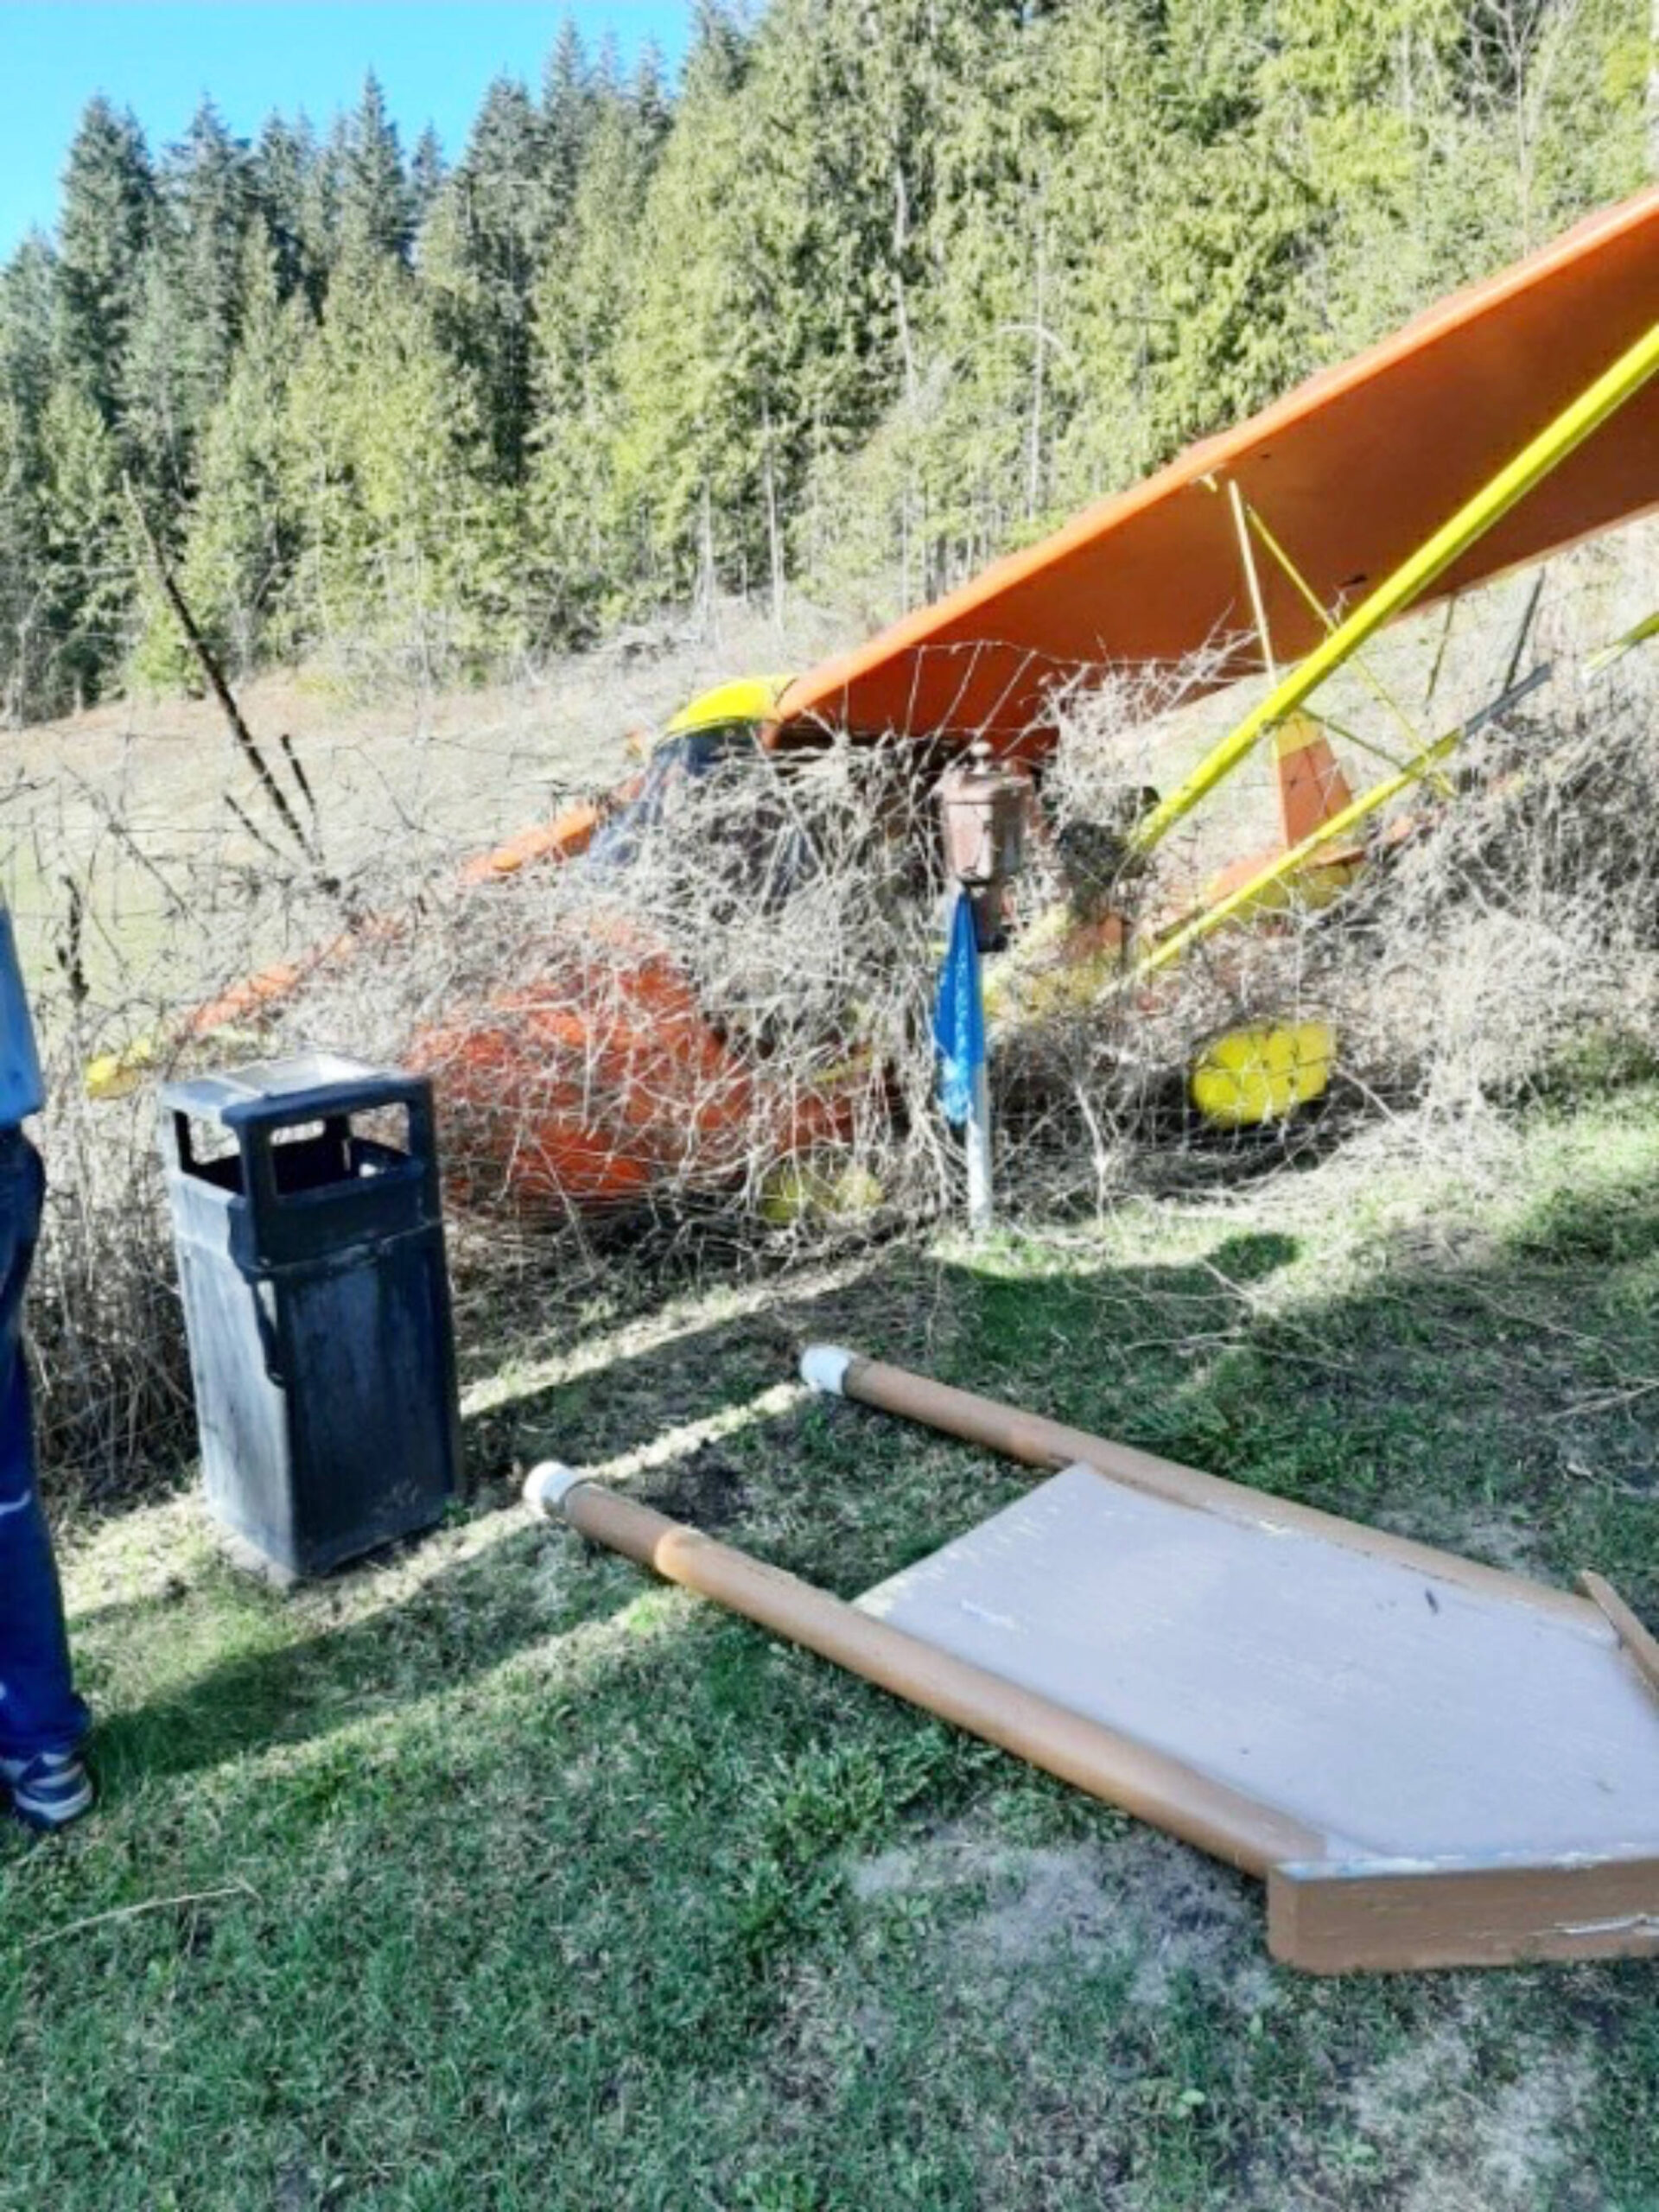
point(1429, 1762)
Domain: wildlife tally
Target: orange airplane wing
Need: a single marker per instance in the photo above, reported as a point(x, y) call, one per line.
point(1351, 471)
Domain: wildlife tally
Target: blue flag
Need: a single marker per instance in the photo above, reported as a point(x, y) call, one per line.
point(959, 1015)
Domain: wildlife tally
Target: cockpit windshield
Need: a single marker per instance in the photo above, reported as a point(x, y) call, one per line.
point(676, 764)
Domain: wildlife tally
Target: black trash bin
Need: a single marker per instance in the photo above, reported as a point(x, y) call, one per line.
point(316, 1298)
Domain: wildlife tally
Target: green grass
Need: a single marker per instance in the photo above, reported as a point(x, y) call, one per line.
point(495, 1875)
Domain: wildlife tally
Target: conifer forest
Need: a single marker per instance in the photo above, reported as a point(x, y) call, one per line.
point(873, 290)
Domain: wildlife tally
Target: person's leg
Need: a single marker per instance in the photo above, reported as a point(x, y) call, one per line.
point(42, 1722)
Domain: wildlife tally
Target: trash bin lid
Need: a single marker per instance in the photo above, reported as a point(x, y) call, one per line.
point(327, 1081)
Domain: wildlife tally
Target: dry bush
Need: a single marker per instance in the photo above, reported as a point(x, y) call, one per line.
point(111, 1372)
point(739, 999)
point(1502, 939)
point(734, 991)
point(737, 978)
point(1521, 927)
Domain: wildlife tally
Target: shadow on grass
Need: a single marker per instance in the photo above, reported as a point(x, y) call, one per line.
point(1495, 1392)
point(280, 1688)
point(1491, 1400)
point(607, 1933)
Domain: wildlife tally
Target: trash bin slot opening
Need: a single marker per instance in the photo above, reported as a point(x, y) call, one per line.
point(309, 1158)
point(209, 1150)
point(383, 1133)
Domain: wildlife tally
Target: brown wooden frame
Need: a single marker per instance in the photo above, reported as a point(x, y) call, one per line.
point(1325, 1916)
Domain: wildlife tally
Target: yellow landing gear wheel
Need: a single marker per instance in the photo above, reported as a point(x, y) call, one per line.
point(798, 1191)
point(1263, 1073)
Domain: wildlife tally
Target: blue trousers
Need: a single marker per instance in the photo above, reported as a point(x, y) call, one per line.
point(39, 1710)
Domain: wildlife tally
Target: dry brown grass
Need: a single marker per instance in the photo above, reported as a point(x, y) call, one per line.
point(146, 875)
point(793, 911)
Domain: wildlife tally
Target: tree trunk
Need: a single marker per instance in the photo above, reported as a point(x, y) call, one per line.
point(774, 536)
point(1039, 370)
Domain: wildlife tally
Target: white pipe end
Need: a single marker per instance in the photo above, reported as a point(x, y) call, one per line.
point(548, 1485)
point(823, 1367)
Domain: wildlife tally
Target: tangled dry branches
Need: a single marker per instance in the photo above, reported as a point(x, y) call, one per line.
point(718, 1023)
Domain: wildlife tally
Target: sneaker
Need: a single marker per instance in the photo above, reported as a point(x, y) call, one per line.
point(49, 1790)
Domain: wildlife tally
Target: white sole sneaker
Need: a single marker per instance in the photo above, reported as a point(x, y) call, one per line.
point(49, 1790)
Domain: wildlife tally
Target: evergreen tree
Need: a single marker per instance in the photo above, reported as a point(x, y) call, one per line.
point(916, 236)
point(87, 571)
point(245, 527)
point(376, 210)
point(1112, 333)
point(21, 574)
point(209, 186)
point(26, 298)
point(154, 397)
point(426, 174)
point(718, 54)
point(28, 291)
point(582, 550)
point(183, 332)
point(478, 256)
point(880, 288)
point(322, 190)
point(401, 547)
point(690, 400)
point(278, 173)
point(567, 118)
point(108, 213)
point(649, 96)
point(1236, 219)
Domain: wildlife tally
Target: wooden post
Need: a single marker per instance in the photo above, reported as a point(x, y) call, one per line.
point(1050, 1444)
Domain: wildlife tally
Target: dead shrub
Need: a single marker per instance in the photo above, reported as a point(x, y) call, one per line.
point(719, 1023)
point(1519, 924)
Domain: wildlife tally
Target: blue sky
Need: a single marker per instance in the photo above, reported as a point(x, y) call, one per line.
point(433, 57)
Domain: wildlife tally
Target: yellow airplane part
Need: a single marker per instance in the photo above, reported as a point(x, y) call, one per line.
point(797, 1191)
point(1639, 635)
point(113, 1074)
point(118, 1075)
point(1593, 406)
point(1294, 735)
point(1263, 1073)
point(1288, 868)
point(1308, 889)
point(747, 699)
point(1054, 966)
point(1323, 614)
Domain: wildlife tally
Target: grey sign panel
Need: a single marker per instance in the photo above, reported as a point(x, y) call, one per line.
point(1401, 1715)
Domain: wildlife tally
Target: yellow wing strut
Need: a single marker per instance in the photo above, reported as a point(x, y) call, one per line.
point(1472, 520)
point(1283, 865)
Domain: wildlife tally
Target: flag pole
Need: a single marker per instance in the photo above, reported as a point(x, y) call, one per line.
point(959, 1037)
point(982, 811)
point(978, 1140)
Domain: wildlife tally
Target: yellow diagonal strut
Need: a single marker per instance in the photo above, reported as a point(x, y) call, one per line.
point(1638, 635)
point(1289, 863)
point(1471, 521)
point(1283, 867)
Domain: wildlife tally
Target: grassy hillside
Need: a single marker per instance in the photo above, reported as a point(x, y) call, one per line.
point(493, 1874)
point(131, 806)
